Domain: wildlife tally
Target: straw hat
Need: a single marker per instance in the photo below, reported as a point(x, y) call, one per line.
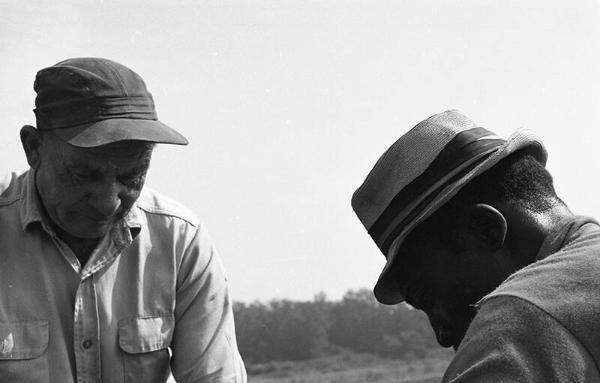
point(422, 171)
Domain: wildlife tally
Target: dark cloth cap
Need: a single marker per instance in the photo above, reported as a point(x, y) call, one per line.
point(94, 101)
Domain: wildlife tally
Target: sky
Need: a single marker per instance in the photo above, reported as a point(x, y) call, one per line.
point(287, 105)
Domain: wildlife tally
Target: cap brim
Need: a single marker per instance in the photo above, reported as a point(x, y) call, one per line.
point(388, 290)
point(120, 129)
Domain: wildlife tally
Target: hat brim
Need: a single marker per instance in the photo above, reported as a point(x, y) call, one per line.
point(387, 290)
point(120, 129)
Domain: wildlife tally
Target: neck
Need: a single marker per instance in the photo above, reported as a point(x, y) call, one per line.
point(82, 247)
point(527, 230)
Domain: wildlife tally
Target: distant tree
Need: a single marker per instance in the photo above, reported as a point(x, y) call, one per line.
point(289, 330)
point(360, 323)
point(300, 329)
point(281, 330)
point(353, 322)
point(253, 331)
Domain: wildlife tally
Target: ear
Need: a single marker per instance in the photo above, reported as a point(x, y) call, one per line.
point(488, 225)
point(31, 139)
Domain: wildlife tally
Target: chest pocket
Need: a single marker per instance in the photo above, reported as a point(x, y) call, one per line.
point(23, 357)
point(145, 343)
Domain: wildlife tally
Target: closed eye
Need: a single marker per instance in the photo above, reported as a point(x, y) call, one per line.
point(86, 176)
point(133, 180)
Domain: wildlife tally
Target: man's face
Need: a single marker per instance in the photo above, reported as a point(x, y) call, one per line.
point(445, 281)
point(85, 191)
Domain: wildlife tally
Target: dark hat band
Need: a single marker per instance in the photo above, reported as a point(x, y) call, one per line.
point(73, 113)
point(467, 145)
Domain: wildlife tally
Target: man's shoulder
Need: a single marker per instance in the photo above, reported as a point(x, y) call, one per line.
point(512, 340)
point(11, 185)
point(560, 279)
point(157, 205)
point(564, 285)
point(504, 318)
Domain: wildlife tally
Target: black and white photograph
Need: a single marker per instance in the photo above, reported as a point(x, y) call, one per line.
point(289, 191)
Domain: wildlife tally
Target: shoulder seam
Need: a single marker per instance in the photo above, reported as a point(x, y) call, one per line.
point(9, 201)
point(166, 214)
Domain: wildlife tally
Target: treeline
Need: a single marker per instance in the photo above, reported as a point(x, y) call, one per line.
point(291, 330)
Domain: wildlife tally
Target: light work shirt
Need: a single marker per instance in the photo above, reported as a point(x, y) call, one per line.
point(152, 298)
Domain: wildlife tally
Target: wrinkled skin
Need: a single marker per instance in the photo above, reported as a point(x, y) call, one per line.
point(85, 191)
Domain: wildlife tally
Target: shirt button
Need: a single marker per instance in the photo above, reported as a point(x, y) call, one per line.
point(87, 343)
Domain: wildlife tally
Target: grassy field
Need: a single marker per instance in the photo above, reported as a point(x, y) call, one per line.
point(353, 368)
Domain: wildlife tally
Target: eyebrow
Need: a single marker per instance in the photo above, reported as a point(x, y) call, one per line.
point(78, 167)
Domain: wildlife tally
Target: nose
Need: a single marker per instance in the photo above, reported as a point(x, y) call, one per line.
point(106, 199)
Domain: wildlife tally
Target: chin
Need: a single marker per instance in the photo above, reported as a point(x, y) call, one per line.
point(97, 233)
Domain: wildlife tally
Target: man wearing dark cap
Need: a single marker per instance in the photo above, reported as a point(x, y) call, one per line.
point(102, 279)
point(475, 236)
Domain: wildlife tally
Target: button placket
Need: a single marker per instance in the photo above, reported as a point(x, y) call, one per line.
point(88, 343)
point(87, 357)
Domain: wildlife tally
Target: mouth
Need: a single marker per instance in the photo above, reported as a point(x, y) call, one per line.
point(100, 220)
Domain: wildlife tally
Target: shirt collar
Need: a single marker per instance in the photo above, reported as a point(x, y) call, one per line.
point(131, 224)
point(31, 208)
point(562, 234)
point(32, 211)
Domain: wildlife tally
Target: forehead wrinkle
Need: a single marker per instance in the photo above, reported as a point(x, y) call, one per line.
point(134, 152)
point(110, 165)
point(117, 157)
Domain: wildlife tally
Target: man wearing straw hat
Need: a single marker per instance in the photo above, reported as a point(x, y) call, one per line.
point(102, 279)
point(475, 236)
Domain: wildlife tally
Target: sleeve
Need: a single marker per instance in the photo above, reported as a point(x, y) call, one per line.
point(204, 345)
point(512, 340)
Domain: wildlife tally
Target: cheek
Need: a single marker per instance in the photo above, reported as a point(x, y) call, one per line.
point(58, 184)
point(452, 313)
point(453, 290)
point(455, 304)
point(68, 200)
point(58, 195)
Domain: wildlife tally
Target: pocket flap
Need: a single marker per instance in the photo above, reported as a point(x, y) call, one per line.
point(23, 339)
point(146, 334)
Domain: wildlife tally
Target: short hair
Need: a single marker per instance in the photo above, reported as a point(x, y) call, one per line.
point(519, 180)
